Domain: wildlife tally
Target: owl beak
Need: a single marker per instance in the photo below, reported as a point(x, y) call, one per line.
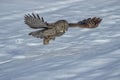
point(61, 31)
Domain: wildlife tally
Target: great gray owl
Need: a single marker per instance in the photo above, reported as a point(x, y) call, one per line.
point(52, 30)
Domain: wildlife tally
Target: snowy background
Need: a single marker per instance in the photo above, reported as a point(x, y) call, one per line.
point(80, 54)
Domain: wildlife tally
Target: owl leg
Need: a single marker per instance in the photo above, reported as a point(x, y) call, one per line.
point(46, 41)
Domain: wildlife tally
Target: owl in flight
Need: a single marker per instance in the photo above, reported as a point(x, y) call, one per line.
point(49, 31)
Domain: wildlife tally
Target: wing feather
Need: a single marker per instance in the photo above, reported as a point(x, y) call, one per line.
point(35, 21)
point(90, 22)
point(37, 34)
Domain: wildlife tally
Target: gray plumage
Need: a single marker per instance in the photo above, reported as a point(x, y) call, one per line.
point(35, 22)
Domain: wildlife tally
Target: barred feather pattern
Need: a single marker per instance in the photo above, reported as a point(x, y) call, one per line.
point(35, 21)
point(90, 22)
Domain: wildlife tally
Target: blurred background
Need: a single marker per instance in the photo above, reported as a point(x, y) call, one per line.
point(80, 54)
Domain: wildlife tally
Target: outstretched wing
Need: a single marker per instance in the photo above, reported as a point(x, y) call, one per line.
point(37, 34)
point(34, 21)
point(90, 22)
point(43, 33)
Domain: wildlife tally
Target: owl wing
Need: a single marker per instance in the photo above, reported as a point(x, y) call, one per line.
point(90, 22)
point(37, 34)
point(35, 21)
